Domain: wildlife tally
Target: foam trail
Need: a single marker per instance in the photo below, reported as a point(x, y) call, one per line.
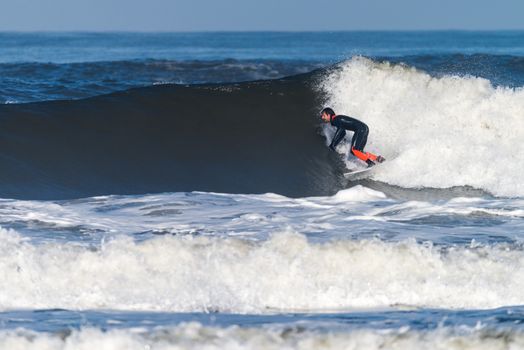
point(186, 274)
point(437, 132)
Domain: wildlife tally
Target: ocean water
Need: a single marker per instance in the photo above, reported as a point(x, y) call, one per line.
point(169, 191)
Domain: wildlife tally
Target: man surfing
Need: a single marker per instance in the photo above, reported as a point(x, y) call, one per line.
point(360, 135)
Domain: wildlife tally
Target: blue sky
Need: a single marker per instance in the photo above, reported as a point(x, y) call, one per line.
point(235, 15)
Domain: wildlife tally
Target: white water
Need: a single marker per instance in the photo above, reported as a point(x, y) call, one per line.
point(350, 263)
point(358, 212)
point(435, 132)
point(260, 253)
point(286, 272)
point(196, 336)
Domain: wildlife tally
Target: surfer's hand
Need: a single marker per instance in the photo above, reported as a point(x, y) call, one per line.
point(380, 159)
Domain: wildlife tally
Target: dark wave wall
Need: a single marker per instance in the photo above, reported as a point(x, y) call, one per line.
point(239, 138)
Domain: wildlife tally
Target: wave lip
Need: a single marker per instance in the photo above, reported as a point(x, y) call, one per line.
point(437, 132)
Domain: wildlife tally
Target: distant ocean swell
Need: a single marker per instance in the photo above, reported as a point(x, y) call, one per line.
point(32, 81)
point(500, 70)
point(22, 82)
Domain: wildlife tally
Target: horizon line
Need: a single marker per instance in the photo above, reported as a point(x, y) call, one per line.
point(248, 31)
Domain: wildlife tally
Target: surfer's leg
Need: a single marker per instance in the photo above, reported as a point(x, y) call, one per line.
point(360, 138)
point(358, 143)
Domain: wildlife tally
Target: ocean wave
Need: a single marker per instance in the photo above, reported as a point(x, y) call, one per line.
point(265, 136)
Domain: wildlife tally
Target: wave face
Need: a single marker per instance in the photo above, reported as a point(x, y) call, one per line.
point(251, 138)
point(437, 132)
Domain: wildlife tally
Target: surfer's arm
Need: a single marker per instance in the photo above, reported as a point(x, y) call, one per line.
point(339, 135)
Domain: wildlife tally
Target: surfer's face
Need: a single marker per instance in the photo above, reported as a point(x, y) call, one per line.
point(325, 117)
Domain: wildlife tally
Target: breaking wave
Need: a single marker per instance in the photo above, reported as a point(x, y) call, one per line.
point(264, 136)
point(437, 132)
point(192, 274)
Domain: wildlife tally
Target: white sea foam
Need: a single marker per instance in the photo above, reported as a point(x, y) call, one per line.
point(196, 336)
point(436, 132)
point(286, 272)
point(358, 212)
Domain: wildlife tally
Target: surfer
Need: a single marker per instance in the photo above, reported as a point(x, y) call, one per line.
point(360, 135)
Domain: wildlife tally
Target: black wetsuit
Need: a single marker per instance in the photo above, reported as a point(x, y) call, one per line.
point(343, 123)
